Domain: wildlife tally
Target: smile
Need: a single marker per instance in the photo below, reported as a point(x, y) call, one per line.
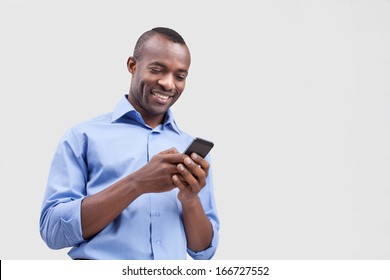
point(161, 96)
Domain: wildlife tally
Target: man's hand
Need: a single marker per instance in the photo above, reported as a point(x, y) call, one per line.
point(156, 175)
point(192, 178)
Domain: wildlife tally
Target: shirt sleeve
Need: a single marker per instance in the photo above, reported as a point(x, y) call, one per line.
point(60, 221)
point(208, 202)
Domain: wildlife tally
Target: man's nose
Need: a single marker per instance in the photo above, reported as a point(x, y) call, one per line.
point(167, 82)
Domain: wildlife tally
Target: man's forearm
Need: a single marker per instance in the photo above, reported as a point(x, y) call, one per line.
point(199, 230)
point(100, 209)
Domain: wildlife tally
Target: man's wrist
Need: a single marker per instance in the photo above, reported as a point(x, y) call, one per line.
point(190, 203)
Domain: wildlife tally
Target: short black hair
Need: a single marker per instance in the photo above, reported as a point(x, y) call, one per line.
point(168, 33)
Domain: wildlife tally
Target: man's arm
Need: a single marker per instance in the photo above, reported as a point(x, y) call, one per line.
point(68, 216)
point(192, 179)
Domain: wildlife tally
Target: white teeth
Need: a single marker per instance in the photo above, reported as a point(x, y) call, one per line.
point(163, 97)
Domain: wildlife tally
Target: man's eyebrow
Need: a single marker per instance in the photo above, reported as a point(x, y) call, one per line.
point(156, 63)
point(183, 70)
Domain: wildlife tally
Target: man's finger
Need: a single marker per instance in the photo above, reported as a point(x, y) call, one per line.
point(169, 151)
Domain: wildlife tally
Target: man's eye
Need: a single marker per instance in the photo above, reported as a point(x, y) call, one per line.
point(155, 70)
point(180, 77)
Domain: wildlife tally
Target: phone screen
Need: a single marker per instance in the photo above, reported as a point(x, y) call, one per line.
point(200, 146)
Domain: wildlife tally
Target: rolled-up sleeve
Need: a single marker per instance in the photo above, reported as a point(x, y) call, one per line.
point(60, 220)
point(210, 251)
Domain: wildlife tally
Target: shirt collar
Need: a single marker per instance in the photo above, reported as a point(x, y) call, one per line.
point(125, 109)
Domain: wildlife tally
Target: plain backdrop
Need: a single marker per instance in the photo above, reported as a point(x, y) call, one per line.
point(294, 94)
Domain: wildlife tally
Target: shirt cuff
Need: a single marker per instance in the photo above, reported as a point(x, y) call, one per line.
point(208, 253)
point(64, 225)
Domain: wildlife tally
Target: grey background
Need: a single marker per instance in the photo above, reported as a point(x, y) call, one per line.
point(295, 95)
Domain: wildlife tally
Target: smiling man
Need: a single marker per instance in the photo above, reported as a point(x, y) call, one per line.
point(118, 187)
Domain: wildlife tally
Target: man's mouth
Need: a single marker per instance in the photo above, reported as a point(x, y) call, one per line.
point(161, 97)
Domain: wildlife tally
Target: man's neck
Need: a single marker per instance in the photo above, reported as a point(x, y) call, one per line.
point(155, 121)
point(150, 120)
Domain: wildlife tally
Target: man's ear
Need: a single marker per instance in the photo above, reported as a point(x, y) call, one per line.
point(131, 64)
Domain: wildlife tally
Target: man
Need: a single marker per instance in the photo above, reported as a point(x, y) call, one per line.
point(118, 186)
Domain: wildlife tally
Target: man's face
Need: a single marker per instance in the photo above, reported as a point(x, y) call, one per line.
point(159, 77)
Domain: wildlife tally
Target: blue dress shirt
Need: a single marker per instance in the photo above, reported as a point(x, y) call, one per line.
point(95, 154)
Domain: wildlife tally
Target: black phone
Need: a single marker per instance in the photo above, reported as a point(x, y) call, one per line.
point(200, 146)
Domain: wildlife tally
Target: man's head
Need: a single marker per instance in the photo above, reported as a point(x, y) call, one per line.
point(159, 68)
point(168, 33)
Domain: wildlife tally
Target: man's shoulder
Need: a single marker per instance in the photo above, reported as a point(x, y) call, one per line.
point(186, 135)
point(84, 128)
point(183, 133)
point(97, 120)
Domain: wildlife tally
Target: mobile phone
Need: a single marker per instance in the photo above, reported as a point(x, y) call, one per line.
point(200, 146)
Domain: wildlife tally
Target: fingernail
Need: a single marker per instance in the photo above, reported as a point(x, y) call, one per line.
point(187, 160)
point(180, 167)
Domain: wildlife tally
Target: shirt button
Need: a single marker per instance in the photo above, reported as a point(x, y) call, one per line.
point(157, 213)
point(158, 242)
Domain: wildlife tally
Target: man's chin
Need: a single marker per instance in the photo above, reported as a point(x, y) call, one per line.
point(158, 110)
